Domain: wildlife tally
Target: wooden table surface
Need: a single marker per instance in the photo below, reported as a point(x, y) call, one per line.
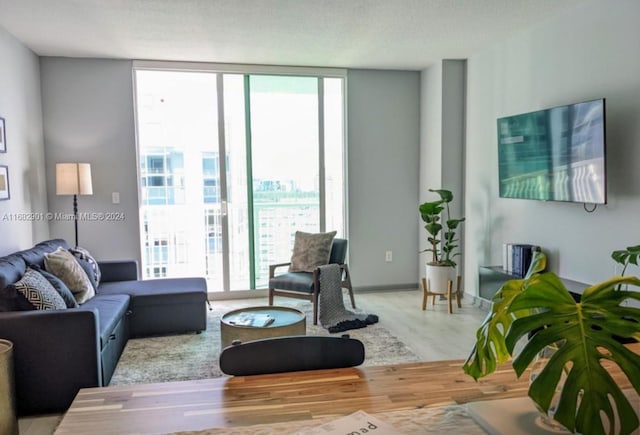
point(237, 401)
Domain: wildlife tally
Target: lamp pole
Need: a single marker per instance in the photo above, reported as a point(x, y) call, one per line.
point(75, 216)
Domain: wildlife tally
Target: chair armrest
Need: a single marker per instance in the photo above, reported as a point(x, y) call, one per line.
point(55, 354)
point(118, 270)
point(273, 267)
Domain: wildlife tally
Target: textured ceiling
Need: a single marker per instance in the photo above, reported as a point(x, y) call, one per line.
point(387, 34)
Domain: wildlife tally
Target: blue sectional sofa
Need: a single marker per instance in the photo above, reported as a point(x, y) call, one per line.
point(57, 352)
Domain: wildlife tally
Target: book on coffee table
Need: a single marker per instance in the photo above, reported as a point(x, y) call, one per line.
point(253, 319)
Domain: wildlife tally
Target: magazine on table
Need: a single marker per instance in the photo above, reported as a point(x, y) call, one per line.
point(252, 319)
point(357, 423)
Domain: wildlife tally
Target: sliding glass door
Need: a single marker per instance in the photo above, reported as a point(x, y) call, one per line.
point(284, 147)
point(282, 170)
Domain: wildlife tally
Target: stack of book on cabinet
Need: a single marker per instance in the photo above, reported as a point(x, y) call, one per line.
point(516, 258)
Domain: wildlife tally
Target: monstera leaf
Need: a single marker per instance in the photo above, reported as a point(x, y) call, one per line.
point(490, 349)
point(584, 333)
point(627, 256)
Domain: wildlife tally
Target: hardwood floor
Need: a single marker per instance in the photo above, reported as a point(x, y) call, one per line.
point(432, 334)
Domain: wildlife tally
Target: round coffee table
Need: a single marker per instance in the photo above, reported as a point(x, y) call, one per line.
point(286, 321)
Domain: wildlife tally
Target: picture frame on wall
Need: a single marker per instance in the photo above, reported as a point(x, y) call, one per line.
point(3, 137)
point(4, 182)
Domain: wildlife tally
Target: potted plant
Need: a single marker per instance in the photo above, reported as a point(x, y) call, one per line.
point(441, 235)
point(584, 333)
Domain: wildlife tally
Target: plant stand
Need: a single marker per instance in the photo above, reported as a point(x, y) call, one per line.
point(426, 292)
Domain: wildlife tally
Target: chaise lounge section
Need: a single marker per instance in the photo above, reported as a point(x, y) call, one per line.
point(57, 352)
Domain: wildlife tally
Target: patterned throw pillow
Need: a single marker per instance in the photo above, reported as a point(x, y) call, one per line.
point(310, 251)
point(64, 265)
point(37, 290)
point(12, 300)
point(93, 270)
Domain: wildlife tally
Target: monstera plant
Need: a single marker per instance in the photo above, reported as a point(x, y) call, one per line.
point(585, 333)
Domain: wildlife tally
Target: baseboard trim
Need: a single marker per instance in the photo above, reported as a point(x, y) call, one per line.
point(479, 302)
point(383, 288)
point(239, 294)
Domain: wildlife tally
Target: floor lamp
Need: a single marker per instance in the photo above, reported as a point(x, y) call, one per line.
point(74, 179)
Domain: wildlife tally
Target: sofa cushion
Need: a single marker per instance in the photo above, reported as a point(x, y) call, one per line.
point(163, 306)
point(37, 290)
point(64, 265)
point(12, 267)
point(60, 287)
point(310, 251)
point(111, 309)
point(163, 291)
point(35, 255)
point(297, 281)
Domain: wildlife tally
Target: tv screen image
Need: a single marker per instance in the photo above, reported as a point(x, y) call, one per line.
point(555, 154)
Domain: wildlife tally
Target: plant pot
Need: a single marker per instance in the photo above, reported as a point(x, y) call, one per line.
point(8, 419)
point(438, 277)
point(545, 419)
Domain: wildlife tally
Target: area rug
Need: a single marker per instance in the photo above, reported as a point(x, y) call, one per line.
point(195, 356)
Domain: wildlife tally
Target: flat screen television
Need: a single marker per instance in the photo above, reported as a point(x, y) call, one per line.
point(556, 154)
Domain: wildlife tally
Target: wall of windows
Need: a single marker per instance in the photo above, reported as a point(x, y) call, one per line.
point(282, 138)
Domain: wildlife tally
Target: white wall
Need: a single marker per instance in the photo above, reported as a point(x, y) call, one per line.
point(442, 139)
point(383, 139)
point(586, 53)
point(21, 108)
point(88, 117)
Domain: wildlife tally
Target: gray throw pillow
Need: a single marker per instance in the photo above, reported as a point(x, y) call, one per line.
point(63, 264)
point(310, 251)
point(37, 290)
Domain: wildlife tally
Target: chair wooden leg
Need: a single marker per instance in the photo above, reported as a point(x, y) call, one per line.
point(449, 295)
point(353, 301)
point(459, 291)
point(424, 294)
point(314, 297)
point(270, 296)
point(314, 301)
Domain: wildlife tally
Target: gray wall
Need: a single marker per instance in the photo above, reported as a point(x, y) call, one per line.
point(383, 135)
point(588, 52)
point(88, 112)
point(21, 108)
point(88, 117)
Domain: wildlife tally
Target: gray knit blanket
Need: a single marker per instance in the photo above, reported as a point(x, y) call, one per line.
point(333, 315)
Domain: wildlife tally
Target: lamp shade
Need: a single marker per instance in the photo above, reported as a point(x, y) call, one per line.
point(73, 179)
